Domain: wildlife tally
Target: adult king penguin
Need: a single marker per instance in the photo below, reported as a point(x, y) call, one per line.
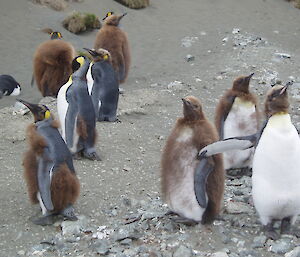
point(48, 168)
point(52, 63)
point(76, 112)
point(237, 115)
point(192, 188)
point(114, 40)
point(9, 86)
point(276, 164)
point(103, 85)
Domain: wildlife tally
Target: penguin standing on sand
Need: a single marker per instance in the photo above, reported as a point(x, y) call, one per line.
point(103, 85)
point(192, 188)
point(52, 64)
point(114, 40)
point(76, 112)
point(9, 86)
point(237, 115)
point(276, 164)
point(48, 168)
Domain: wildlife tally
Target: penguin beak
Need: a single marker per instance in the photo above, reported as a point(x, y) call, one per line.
point(283, 90)
point(249, 77)
point(185, 102)
point(91, 52)
point(124, 14)
point(34, 108)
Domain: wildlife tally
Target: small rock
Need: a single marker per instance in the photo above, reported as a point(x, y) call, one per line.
point(218, 77)
point(294, 253)
point(21, 252)
point(219, 254)
point(283, 55)
point(281, 246)
point(189, 58)
point(259, 241)
point(188, 41)
point(235, 31)
point(74, 227)
point(126, 241)
point(225, 39)
point(177, 85)
point(182, 251)
point(238, 208)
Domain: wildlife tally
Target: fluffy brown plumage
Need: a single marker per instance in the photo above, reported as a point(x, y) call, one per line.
point(64, 185)
point(277, 101)
point(240, 88)
point(113, 39)
point(52, 65)
point(179, 159)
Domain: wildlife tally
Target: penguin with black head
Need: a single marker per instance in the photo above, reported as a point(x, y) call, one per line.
point(276, 164)
point(76, 112)
point(48, 168)
point(103, 85)
point(9, 86)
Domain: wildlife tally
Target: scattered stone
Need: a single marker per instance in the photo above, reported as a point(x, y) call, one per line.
point(235, 31)
point(20, 108)
point(57, 5)
point(219, 254)
point(294, 253)
point(74, 227)
point(189, 58)
point(259, 241)
point(281, 246)
point(225, 39)
point(188, 41)
point(21, 252)
point(283, 55)
point(126, 241)
point(101, 247)
point(176, 85)
point(237, 208)
point(135, 4)
point(182, 251)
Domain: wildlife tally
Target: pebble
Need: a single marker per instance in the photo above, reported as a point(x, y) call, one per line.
point(189, 58)
point(237, 208)
point(259, 241)
point(21, 252)
point(281, 246)
point(74, 227)
point(283, 55)
point(182, 251)
point(294, 253)
point(219, 254)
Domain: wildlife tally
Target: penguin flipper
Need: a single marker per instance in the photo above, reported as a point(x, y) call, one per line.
point(202, 171)
point(228, 144)
point(45, 167)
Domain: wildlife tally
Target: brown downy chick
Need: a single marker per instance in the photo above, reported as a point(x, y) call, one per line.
point(237, 115)
point(52, 64)
point(48, 168)
point(114, 40)
point(180, 168)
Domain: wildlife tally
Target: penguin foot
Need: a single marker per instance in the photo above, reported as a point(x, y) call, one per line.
point(77, 156)
point(272, 234)
point(285, 228)
point(69, 213)
point(184, 221)
point(92, 156)
point(44, 221)
point(238, 173)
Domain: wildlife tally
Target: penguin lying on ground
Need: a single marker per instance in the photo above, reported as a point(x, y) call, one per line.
point(276, 164)
point(53, 64)
point(48, 168)
point(237, 115)
point(114, 40)
point(9, 86)
point(103, 85)
point(76, 112)
point(193, 189)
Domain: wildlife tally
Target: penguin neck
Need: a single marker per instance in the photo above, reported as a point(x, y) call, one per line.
point(279, 119)
point(242, 102)
point(44, 123)
point(70, 79)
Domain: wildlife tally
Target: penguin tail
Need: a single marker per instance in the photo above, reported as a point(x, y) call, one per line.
point(30, 175)
point(65, 188)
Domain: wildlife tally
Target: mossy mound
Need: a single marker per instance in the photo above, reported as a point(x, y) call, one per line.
point(295, 2)
point(134, 4)
point(57, 5)
point(79, 22)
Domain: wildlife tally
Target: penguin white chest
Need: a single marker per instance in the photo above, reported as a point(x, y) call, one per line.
point(89, 78)
point(241, 121)
point(276, 171)
point(182, 199)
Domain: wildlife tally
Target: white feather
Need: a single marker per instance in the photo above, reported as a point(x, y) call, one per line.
point(89, 78)
point(276, 171)
point(241, 121)
point(16, 91)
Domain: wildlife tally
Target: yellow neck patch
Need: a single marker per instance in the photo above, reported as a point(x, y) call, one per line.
point(279, 120)
point(105, 57)
point(279, 113)
point(239, 101)
point(70, 79)
point(80, 60)
point(47, 115)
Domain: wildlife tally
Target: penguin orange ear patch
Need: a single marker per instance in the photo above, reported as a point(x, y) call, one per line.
point(47, 114)
point(107, 15)
point(59, 35)
point(80, 60)
point(105, 57)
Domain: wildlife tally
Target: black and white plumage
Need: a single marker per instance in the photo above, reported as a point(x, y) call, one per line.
point(9, 86)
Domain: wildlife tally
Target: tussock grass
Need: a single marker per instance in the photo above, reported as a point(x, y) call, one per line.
point(134, 4)
point(57, 5)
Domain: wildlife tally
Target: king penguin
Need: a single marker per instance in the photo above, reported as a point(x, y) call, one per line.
point(192, 188)
point(52, 64)
point(103, 85)
point(76, 112)
point(48, 168)
point(237, 115)
point(276, 164)
point(114, 40)
point(9, 86)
